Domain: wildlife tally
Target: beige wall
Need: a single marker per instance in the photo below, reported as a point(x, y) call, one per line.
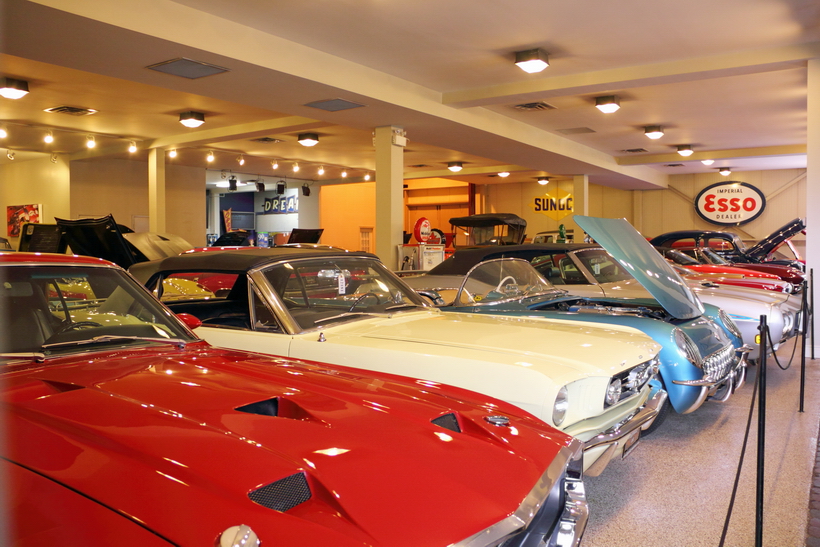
point(120, 188)
point(36, 181)
point(344, 210)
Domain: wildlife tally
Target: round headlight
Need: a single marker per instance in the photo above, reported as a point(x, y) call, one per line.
point(613, 392)
point(559, 409)
point(729, 323)
point(688, 347)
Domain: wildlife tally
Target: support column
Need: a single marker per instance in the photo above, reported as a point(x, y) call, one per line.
point(637, 210)
point(389, 195)
point(156, 190)
point(580, 205)
point(813, 176)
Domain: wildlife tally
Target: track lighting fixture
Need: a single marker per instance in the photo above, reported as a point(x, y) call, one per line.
point(608, 103)
point(210, 156)
point(321, 170)
point(232, 183)
point(295, 167)
point(49, 138)
point(367, 176)
point(11, 88)
point(10, 154)
point(308, 139)
point(132, 147)
point(707, 162)
point(260, 186)
point(543, 181)
point(504, 174)
point(90, 142)
point(240, 160)
point(653, 131)
point(281, 186)
point(455, 166)
point(172, 153)
point(274, 164)
point(725, 171)
point(685, 150)
point(305, 189)
point(191, 119)
point(53, 158)
point(532, 60)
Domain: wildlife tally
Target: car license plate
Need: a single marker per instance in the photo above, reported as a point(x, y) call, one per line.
point(631, 442)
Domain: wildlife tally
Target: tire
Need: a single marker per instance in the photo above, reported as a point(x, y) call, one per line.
point(663, 412)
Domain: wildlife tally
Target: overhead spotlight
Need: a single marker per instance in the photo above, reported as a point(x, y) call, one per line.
point(274, 164)
point(455, 166)
point(367, 176)
point(3, 132)
point(232, 183)
point(191, 119)
point(210, 156)
point(10, 154)
point(90, 142)
point(543, 181)
point(172, 153)
point(532, 60)
point(305, 190)
point(725, 171)
point(344, 173)
point(49, 138)
point(132, 147)
point(608, 103)
point(321, 170)
point(685, 150)
point(240, 160)
point(653, 131)
point(53, 158)
point(295, 167)
point(308, 139)
point(11, 88)
point(707, 162)
point(504, 174)
point(281, 186)
point(260, 186)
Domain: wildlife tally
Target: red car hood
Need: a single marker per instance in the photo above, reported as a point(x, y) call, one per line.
point(156, 435)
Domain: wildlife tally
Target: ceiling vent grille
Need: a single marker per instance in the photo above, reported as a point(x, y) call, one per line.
point(419, 165)
point(71, 110)
point(674, 165)
point(187, 68)
point(533, 107)
point(334, 105)
point(576, 130)
point(635, 150)
point(270, 140)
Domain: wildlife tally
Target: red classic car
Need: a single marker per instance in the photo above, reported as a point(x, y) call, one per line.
point(724, 274)
point(123, 428)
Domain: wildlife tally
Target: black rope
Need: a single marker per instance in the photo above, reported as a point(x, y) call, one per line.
point(774, 353)
point(739, 465)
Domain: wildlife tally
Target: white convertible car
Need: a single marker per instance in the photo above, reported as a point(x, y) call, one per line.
point(590, 380)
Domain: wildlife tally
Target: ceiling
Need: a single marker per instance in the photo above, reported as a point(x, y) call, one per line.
point(727, 78)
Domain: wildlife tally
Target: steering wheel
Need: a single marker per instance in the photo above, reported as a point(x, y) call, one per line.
point(362, 297)
point(75, 325)
point(508, 278)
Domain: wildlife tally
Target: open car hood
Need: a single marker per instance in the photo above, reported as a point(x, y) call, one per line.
point(770, 243)
point(646, 264)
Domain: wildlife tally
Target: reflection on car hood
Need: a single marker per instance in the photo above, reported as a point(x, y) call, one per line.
point(766, 246)
point(176, 425)
point(646, 264)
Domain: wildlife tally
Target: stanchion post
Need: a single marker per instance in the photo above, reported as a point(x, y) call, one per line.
point(761, 430)
point(804, 319)
point(811, 309)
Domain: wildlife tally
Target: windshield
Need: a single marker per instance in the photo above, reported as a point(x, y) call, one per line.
point(66, 307)
point(602, 266)
point(679, 258)
point(501, 280)
point(713, 257)
point(318, 291)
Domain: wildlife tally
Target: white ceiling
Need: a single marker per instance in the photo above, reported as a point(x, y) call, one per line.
point(727, 77)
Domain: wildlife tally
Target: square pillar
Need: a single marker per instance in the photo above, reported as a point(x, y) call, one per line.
point(389, 194)
point(156, 190)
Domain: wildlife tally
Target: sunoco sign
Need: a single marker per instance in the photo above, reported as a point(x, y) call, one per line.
point(730, 203)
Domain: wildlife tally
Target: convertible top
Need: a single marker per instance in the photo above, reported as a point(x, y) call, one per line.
point(489, 219)
point(464, 259)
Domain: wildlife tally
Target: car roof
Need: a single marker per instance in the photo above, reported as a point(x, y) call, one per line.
point(464, 259)
point(52, 258)
point(242, 259)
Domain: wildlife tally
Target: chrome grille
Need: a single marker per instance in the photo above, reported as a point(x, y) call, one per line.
point(717, 365)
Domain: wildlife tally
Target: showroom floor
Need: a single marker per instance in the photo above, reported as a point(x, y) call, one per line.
point(674, 489)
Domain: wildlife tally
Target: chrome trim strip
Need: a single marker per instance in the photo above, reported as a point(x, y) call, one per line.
point(742, 363)
point(641, 419)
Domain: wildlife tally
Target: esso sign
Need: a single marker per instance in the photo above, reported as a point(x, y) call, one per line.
point(422, 230)
point(730, 203)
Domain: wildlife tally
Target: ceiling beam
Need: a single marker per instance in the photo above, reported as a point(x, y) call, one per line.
point(674, 157)
point(446, 173)
point(696, 68)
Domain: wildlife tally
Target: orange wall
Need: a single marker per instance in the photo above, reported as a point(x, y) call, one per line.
point(343, 210)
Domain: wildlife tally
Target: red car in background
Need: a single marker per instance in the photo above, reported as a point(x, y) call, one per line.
point(724, 275)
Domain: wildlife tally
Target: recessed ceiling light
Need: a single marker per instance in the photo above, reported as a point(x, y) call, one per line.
point(454, 166)
point(532, 60)
point(608, 103)
point(308, 139)
point(11, 88)
point(653, 131)
point(685, 150)
point(707, 162)
point(191, 118)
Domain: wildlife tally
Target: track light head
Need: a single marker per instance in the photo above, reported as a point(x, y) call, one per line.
point(232, 183)
point(281, 186)
point(305, 189)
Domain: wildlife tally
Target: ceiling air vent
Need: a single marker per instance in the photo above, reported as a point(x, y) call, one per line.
point(674, 165)
point(334, 105)
point(419, 165)
point(538, 105)
point(187, 68)
point(270, 140)
point(71, 110)
point(635, 150)
point(576, 130)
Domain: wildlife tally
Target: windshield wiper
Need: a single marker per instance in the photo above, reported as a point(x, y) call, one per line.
point(113, 338)
point(34, 356)
point(341, 316)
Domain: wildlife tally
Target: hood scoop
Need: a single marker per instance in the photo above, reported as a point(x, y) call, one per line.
point(62, 387)
point(280, 407)
point(284, 494)
point(448, 421)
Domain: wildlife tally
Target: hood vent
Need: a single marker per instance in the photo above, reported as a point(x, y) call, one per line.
point(62, 387)
point(281, 407)
point(448, 421)
point(269, 407)
point(71, 110)
point(534, 107)
point(284, 494)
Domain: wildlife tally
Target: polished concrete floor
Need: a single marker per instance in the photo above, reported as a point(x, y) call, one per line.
point(674, 489)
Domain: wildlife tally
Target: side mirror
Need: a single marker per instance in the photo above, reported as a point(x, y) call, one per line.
point(190, 321)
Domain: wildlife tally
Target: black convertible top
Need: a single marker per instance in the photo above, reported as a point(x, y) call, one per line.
point(464, 259)
point(489, 219)
point(233, 260)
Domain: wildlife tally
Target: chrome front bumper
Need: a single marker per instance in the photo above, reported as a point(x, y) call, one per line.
point(623, 435)
point(721, 389)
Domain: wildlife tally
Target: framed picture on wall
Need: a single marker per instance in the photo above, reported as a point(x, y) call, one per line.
point(17, 215)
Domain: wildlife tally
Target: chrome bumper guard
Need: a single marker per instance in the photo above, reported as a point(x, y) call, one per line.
point(624, 433)
point(721, 389)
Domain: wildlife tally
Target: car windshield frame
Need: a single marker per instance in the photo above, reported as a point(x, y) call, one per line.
point(503, 280)
point(596, 263)
point(57, 309)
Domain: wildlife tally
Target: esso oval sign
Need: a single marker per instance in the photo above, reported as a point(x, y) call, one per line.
point(422, 230)
point(730, 203)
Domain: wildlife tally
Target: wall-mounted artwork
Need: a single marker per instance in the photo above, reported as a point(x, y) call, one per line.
point(17, 215)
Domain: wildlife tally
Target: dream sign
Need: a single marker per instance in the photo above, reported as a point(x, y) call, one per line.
point(730, 203)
